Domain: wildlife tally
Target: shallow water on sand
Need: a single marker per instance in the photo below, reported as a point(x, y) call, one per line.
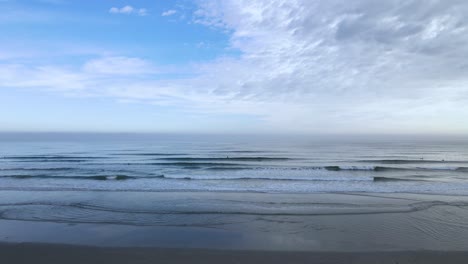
point(256, 221)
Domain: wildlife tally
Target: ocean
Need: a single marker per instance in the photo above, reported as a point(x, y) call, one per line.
point(233, 164)
point(243, 192)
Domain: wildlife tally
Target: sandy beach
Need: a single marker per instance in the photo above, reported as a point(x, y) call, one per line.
point(384, 228)
point(47, 254)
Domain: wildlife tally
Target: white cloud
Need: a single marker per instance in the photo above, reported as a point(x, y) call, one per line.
point(169, 12)
point(310, 66)
point(128, 10)
point(344, 61)
point(93, 77)
point(119, 66)
point(142, 12)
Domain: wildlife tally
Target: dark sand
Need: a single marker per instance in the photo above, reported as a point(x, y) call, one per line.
point(49, 254)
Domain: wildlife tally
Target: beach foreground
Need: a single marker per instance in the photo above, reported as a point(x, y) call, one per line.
point(48, 253)
point(127, 227)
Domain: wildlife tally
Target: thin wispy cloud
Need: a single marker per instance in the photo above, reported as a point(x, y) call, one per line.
point(128, 10)
point(169, 12)
point(119, 66)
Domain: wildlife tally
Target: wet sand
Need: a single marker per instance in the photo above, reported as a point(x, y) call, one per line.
point(318, 228)
point(49, 254)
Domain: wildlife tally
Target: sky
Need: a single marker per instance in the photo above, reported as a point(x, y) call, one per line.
point(234, 66)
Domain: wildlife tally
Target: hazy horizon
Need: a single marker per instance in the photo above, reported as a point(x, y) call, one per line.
point(229, 137)
point(238, 67)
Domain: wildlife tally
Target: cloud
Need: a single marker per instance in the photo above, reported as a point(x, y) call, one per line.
point(308, 66)
point(344, 60)
point(169, 12)
point(119, 66)
point(123, 10)
point(128, 10)
point(142, 12)
point(84, 79)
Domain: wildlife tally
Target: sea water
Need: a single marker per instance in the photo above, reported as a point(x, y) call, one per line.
point(156, 163)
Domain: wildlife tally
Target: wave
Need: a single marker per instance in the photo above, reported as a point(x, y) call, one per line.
point(243, 166)
point(199, 178)
point(327, 168)
point(360, 168)
point(387, 179)
point(350, 179)
point(383, 168)
point(96, 177)
point(325, 178)
point(403, 161)
point(350, 168)
point(230, 168)
point(195, 164)
point(227, 159)
point(241, 151)
point(53, 160)
point(149, 154)
point(50, 157)
point(237, 167)
point(225, 166)
point(37, 169)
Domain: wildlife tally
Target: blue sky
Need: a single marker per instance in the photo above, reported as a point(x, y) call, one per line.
point(89, 27)
point(232, 66)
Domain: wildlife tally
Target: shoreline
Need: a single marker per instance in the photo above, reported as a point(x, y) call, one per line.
point(285, 222)
point(195, 191)
point(48, 228)
point(18, 253)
